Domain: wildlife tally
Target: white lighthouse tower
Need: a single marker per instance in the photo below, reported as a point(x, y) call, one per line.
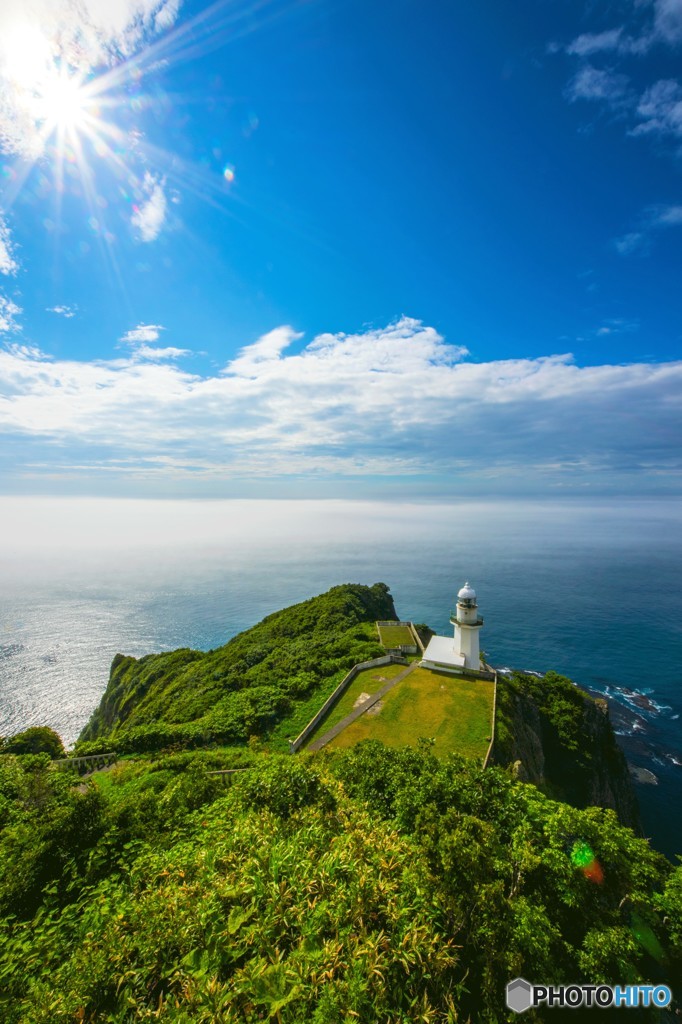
point(445, 654)
point(467, 623)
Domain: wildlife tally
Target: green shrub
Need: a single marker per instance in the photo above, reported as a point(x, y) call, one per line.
point(284, 785)
point(36, 740)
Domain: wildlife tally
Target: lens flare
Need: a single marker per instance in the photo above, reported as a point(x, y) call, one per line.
point(594, 872)
point(581, 854)
point(228, 174)
point(646, 937)
point(582, 857)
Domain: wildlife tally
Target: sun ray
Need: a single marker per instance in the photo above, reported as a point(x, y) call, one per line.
point(208, 30)
point(102, 235)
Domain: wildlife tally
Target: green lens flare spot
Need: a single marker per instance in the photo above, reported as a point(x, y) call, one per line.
point(582, 854)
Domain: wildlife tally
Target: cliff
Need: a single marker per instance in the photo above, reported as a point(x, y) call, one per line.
point(551, 733)
point(266, 674)
point(269, 680)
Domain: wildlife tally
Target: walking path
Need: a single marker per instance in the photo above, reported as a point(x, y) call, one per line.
point(365, 706)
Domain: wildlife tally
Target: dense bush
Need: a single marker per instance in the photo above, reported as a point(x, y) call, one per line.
point(503, 860)
point(49, 829)
point(373, 885)
point(36, 740)
point(284, 786)
point(376, 885)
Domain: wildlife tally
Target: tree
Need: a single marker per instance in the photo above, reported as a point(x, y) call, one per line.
point(36, 740)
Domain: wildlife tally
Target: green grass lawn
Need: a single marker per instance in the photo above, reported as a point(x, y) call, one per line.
point(395, 636)
point(456, 713)
point(368, 681)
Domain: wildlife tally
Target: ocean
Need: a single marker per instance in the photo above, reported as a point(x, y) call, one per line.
point(592, 590)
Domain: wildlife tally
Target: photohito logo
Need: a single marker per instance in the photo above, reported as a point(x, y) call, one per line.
point(521, 995)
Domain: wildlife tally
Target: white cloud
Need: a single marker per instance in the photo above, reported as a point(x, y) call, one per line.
point(587, 44)
point(668, 21)
point(663, 26)
point(654, 219)
point(159, 354)
point(148, 218)
point(166, 15)
point(617, 325)
point(669, 216)
point(629, 243)
point(37, 36)
point(9, 311)
point(142, 333)
point(66, 311)
point(8, 263)
point(249, 362)
point(397, 400)
point(590, 83)
point(139, 339)
point(660, 109)
point(26, 352)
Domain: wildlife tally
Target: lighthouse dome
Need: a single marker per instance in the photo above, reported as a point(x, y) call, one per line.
point(467, 593)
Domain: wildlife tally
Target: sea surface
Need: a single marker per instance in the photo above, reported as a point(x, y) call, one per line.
point(590, 589)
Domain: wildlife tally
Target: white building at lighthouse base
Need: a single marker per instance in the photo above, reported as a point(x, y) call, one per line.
point(461, 652)
point(441, 654)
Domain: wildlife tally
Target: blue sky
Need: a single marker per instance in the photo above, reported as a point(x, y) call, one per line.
point(340, 249)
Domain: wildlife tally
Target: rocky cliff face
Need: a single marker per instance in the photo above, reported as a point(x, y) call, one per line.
point(557, 737)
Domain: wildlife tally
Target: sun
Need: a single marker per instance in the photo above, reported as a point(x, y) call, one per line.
point(54, 99)
point(53, 95)
point(64, 103)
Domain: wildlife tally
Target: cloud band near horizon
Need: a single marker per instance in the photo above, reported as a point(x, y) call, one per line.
point(398, 401)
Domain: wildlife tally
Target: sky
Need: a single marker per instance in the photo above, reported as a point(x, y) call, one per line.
point(330, 248)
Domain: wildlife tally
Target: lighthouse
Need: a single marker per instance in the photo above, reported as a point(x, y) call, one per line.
point(462, 652)
point(467, 623)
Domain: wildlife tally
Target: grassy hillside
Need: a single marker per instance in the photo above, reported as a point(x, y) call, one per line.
point(281, 668)
point(375, 885)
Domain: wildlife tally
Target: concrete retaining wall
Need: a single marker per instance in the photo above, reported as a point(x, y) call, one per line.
point(415, 634)
point(387, 659)
point(456, 672)
point(492, 726)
